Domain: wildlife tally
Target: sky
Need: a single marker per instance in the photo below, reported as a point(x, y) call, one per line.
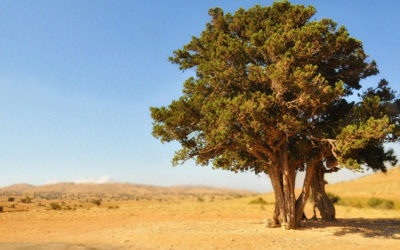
point(77, 79)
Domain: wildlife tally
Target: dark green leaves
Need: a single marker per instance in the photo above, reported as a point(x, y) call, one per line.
point(269, 74)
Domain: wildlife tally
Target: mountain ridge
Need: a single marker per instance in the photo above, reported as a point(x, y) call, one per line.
point(120, 188)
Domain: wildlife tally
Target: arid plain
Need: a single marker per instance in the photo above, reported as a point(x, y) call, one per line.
point(126, 216)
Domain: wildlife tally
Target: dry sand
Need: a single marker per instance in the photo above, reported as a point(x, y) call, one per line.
point(173, 221)
point(224, 224)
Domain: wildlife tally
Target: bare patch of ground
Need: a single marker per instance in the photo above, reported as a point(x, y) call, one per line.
point(193, 224)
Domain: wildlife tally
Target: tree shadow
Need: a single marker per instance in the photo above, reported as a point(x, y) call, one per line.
point(387, 228)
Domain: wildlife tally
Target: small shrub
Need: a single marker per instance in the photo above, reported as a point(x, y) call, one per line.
point(333, 198)
point(113, 207)
point(199, 199)
point(27, 199)
point(374, 202)
point(388, 204)
point(97, 202)
point(237, 196)
point(55, 206)
point(1, 208)
point(11, 199)
point(380, 203)
point(258, 201)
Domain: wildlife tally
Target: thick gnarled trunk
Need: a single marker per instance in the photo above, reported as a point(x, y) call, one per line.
point(281, 207)
point(283, 178)
point(321, 200)
point(288, 211)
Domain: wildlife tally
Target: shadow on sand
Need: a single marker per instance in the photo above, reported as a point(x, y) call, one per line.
point(388, 228)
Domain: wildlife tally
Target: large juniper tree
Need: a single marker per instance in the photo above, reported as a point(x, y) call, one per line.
point(265, 79)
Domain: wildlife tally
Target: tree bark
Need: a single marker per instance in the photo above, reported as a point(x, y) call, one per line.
point(276, 222)
point(275, 175)
point(302, 200)
point(283, 181)
point(289, 176)
point(321, 200)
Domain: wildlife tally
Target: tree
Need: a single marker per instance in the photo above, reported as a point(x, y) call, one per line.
point(265, 80)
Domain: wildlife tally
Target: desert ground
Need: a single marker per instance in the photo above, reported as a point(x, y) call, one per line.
point(67, 216)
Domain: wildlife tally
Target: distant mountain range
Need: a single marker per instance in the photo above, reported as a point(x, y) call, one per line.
point(119, 188)
point(384, 185)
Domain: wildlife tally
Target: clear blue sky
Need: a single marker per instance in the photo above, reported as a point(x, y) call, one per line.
point(77, 79)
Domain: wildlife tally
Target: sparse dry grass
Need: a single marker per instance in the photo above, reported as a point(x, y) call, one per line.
point(188, 221)
point(226, 224)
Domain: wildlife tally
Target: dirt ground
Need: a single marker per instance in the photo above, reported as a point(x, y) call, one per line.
point(221, 224)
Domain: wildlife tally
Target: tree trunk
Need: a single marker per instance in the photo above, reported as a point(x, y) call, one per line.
point(289, 176)
point(302, 200)
point(321, 200)
point(276, 222)
point(283, 181)
point(275, 175)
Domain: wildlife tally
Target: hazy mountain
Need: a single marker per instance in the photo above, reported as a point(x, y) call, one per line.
point(119, 188)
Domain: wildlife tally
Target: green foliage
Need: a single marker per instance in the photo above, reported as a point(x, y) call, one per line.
point(11, 199)
point(260, 201)
point(374, 202)
point(263, 76)
point(367, 125)
point(380, 203)
point(364, 203)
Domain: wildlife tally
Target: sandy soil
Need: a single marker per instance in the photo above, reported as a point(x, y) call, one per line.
point(223, 224)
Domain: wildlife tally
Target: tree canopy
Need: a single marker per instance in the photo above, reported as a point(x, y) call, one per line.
point(269, 95)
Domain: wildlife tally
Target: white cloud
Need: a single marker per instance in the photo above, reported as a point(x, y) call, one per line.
point(51, 182)
point(98, 180)
point(102, 179)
